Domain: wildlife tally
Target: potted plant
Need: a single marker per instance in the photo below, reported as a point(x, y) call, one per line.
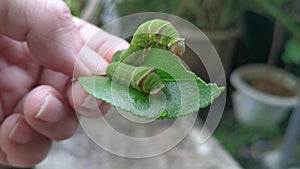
point(264, 93)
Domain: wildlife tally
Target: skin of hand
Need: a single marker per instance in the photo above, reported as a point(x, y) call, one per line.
point(40, 43)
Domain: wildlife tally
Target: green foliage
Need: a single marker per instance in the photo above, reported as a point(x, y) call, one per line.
point(236, 137)
point(127, 7)
point(179, 97)
point(292, 52)
point(75, 6)
point(208, 14)
point(276, 12)
point(274, 9)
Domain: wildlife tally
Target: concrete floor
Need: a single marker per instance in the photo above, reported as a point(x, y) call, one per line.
point(81, 152)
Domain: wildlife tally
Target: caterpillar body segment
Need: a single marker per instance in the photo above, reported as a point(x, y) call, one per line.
point(141, 78)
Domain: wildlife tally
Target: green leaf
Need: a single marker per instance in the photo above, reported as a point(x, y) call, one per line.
point(184, 93)
point(292, 52)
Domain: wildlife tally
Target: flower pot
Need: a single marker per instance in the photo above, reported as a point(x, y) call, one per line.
point(258, 108)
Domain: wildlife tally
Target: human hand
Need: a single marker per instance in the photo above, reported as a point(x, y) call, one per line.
point(39, 47)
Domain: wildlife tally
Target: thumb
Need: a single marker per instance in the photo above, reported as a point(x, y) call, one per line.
point(49, 30)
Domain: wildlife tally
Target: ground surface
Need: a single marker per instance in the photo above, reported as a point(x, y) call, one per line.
point(80, 152)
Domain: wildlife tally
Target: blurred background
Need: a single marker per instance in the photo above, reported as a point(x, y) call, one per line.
point(258, 42)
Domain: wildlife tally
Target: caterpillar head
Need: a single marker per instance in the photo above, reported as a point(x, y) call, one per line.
point(178, 47)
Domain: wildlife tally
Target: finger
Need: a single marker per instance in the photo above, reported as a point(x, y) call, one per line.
point(17, 76)
point(85, 104)
point(46, 110)
point(20, 144)
point(57, 80)
point(13, 51)
point(100, 41)
point(49, 30)
point(105, 45)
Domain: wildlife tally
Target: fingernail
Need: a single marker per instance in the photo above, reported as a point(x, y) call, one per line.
point(90, 63)
point(21, 133)
point(51, 110)
point(89, 108)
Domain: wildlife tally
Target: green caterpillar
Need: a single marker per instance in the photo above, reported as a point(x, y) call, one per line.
point(153, 34)
point(141, 78)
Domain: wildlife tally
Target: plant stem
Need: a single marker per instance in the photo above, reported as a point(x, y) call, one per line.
point(276, 43)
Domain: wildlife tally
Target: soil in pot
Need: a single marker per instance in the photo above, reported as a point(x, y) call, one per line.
point(272, 88)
